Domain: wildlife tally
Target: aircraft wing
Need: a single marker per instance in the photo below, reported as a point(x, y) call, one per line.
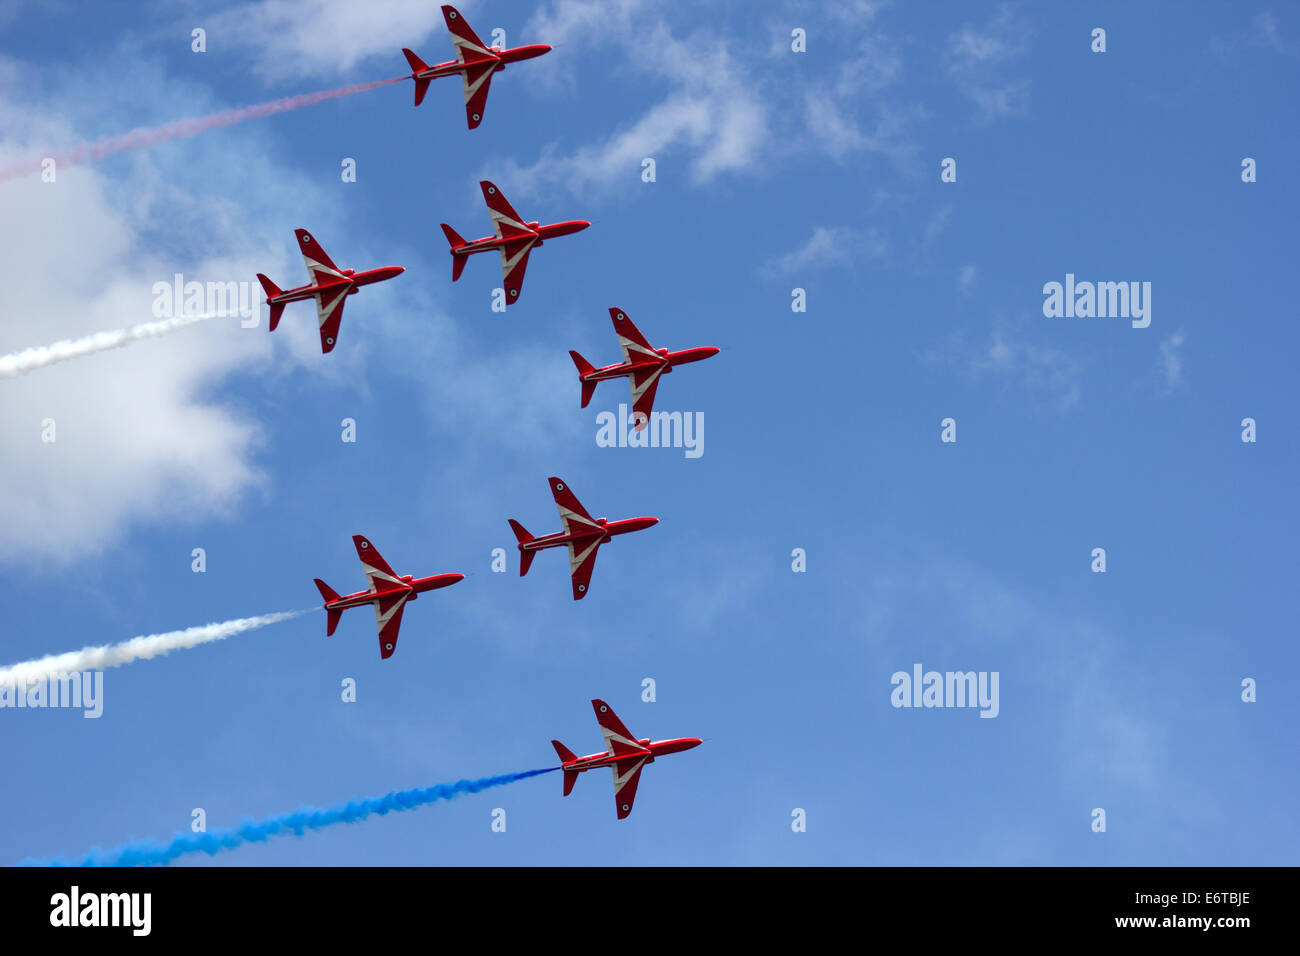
point(507, 223)
point(644, 383)
point(378, 574)
point(572, 514)
point(618, 739)
point(468, 45)
point(582, 561)
point(320, 267)
point(477, 80)
point(388, 617)
point(627, 774)
point(329, 310)
point(630, 340)
point(514, 261)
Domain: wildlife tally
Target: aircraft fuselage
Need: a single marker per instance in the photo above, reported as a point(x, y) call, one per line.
point(667, 361)
point(351, 278)
point(414, 586)
point(498, 56)
point(611, 528)
point(657, 748)
point(552, 231)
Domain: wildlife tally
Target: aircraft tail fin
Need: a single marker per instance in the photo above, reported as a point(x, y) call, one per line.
point(269, 287)
point(584, 368)
point(272, 290)
point(332, 614)
point(525, 557)
point(457, 260)
point(453, 237)
point(417, 66)
point(566, 755)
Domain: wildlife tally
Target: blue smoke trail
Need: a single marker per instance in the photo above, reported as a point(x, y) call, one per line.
point(152, 852)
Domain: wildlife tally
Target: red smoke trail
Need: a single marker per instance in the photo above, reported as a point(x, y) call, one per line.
point(149, 136)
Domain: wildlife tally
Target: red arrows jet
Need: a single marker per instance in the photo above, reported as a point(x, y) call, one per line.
point(582, 534)
point(475, 62)
point(642, 364)
point(388, 593)
point(625, 755)
point(514, 238)
point(330, 286)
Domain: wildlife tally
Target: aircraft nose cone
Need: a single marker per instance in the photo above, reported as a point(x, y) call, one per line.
point(457, 578)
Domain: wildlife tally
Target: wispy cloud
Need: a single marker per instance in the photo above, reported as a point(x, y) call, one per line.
point(829, 247)
point(1106, 734)
point(300, 39)
point(712, 119)
point(966, 277)
point(1048, 374)
point(1170, 362)
point(976, 60)
point(1261, 33)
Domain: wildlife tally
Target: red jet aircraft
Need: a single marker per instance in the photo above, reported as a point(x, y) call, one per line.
point(514, 238)
point(475, 62)
point(625, 755)
point(330, 286)
point(388, 593)
point(642, 364)
point(582, 534)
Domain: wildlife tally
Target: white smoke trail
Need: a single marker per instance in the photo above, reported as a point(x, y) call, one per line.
point(20, 363)
point(136, 649)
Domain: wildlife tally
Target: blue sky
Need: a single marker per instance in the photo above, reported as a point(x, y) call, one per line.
point(775, 170)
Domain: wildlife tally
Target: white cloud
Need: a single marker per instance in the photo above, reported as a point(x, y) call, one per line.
point(1044, 372)
point(966, 277)
point(1260, 34)
point(937, 224)
point(294, 39)
point(141, 435)
point(136, 435)
point(712, 119)
point(1171, 360)
point(976, 57)
point(1108, 735)
point(829, 247)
